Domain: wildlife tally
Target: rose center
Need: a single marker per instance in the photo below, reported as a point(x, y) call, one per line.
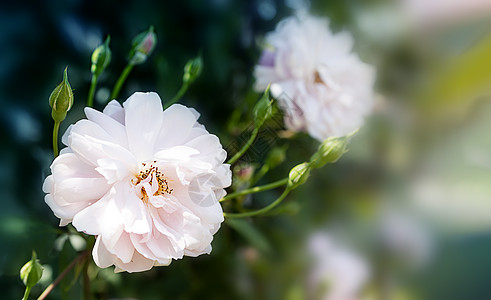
point(150, 182)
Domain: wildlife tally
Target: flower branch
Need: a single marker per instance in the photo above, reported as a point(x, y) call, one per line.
point(60, 277)
point(256, 189)
point(259, 211)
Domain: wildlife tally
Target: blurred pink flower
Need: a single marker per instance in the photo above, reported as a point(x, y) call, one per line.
point(341, 270)
point(323, 88)
point(144, 181)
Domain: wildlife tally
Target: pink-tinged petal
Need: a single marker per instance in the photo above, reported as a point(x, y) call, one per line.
point(209, 148)
point(102, 257)
point(114, 128)
point(143, 120)
point(170, 225)
point(64, 137)
point(101, 218)
point(138, 263)
point(135, 215)
point(203, 205)
point(197, 236)
point(140, 243)
point(120, 246)
point(177, 123)
point(115, 111)
point(91, 143)
point(176, 153)
point(64, 211)
point(163, 249)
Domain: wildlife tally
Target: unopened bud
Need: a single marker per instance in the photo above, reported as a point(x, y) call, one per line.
point(298, 175)
point(192, 69)
point(263, 109)
point(101, 57)
point(329, 151)
point(31, 272)
point(244, 172)
point(61, 99)
point(142, 46)
point(276, 156)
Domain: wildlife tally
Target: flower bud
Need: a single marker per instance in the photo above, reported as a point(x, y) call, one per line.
point(244, 172)
point(263, 109)
point(329, 151)
point(142, 46)
point(276, 156)
point(101, 57)
point(192, 69)
point(61, 99)
point(31, 272)
point(298, 175)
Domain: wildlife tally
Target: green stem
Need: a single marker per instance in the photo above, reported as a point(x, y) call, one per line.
point(178, 96)
point(27, 292)
point(121, 80)
point(50, 287)
point(260, 211)
point(264, 169)
point(256, 189)
point(56, 128)
point(245, 147)
point(93, 83)
point(86, 281)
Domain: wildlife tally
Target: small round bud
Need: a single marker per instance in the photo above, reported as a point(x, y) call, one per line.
point(298, 175)
point(31, 272)
point(101, 57)
point(142, 46)
point(244, 172)
point(329, 151)
point(192, 69)
point(61, 99)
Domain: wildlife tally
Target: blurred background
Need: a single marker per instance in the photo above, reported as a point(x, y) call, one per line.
point(405, 214)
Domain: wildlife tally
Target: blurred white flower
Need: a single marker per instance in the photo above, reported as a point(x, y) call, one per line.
point(339, 269)
point(405, 239)
point(423, 14)
point(145, 181)
point(323, 88)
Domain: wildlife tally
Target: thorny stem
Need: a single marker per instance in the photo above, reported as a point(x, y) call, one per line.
point(50, 287)
point(256, 189)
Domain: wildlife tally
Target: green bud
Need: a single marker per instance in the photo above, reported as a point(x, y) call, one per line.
point(101, 57)
point(276, 156)
point(263, 109)
point(142, 46)
point(298, 175)
point(329, 151)
point(31, 272)
point(192, 69)
point(61, 99)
